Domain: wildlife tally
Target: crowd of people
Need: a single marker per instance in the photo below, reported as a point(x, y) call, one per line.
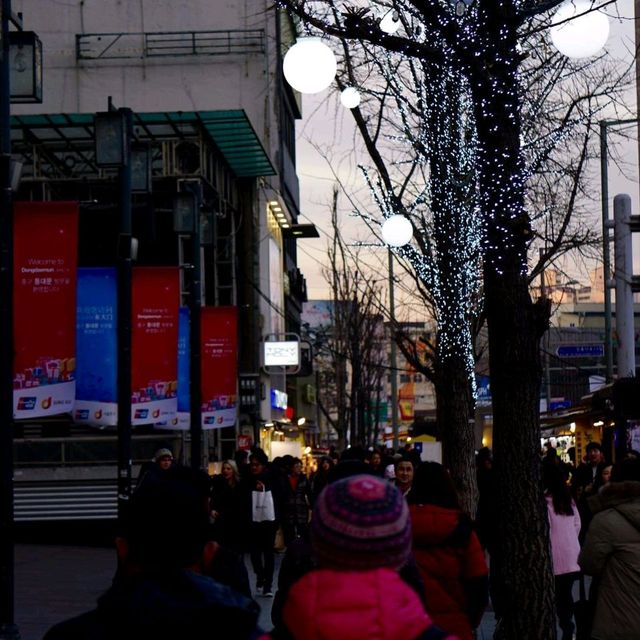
point(375, 546)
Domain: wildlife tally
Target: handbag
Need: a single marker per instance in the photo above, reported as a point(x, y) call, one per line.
point(262, 508)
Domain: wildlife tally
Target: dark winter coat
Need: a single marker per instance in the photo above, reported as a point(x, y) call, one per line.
point(611, 552)
point(182, 605)
point(296, 505)
point(232, 521)
point(452, 565)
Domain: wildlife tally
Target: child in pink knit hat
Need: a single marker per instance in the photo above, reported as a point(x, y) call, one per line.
point(361, 536)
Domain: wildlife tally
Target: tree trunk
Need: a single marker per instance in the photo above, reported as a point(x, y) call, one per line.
point(522, 561)
point(456, 430)
point(524, 569)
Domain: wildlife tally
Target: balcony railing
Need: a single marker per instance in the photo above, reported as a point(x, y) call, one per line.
point(156, 44)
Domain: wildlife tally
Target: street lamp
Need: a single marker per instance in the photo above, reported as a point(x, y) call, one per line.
point(309, 65)
point(397, 231)
point(113, 132)
point(21, 70)
point(579, 31)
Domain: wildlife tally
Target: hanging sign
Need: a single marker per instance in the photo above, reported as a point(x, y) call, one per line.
point(219, 366)
point(154, 344)
point(97, 364)
point(45, 260)
point(182, 420)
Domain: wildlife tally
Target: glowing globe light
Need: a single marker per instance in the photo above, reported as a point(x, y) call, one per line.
point(350, 98)
point(580, 37)
point(309, 66)
point(397, 231)
point(390, 22)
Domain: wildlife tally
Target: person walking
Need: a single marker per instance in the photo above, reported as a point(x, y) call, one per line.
point(584, 483)
point(447, 552)
point(611, 553)
point(230, 520)
point(360, 537)
point(404, 472)
point(295, 520)
point(161, 589)
point(320, 478)
point(564, 529)
point(262, 497)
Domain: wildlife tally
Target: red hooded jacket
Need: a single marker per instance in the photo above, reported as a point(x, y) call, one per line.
point(452, 565)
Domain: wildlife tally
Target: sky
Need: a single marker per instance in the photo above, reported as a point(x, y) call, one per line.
point(326, 140)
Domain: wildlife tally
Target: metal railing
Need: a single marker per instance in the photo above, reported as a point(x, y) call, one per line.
point(90, 500)
point(155, 44)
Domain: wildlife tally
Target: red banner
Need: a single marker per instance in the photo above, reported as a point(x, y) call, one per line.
point(45, 261)
point(219, 366)
point(154, 344)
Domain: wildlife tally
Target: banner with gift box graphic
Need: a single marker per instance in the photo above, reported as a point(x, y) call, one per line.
point(154, 344)
point(96, 338)
point(219, 366)
point(45, 261)
point(181, 421)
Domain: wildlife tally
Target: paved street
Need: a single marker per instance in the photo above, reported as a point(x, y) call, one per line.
point(55, 582)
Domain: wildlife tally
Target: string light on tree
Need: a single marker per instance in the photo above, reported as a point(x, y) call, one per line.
point(309, 66)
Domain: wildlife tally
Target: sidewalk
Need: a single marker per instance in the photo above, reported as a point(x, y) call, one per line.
point(55, 582)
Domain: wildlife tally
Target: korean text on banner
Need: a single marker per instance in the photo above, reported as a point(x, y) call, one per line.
point(219, 366)
point(154, 344)
point(45, 261)
point(182, 420)
point(97, 363)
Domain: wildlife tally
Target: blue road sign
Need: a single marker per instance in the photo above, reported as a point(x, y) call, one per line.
point(580, 350)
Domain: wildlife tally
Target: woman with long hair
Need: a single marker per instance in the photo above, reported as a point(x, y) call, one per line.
point(564, 528)
point(229, 521)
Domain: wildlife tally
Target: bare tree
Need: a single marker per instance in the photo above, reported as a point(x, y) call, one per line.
point(479, 44)
point(353, 358)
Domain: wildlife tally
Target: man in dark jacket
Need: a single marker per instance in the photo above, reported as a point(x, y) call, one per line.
point(160, 590)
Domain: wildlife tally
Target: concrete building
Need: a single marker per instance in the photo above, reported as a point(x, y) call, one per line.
point(204, 82)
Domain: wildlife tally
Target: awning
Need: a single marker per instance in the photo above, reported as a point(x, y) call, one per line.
point(230, 131)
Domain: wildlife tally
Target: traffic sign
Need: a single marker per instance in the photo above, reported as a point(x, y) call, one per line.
point(580, 350)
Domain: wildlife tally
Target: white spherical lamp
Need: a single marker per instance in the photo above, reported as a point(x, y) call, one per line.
point(309, 66)
point(390, 22)
point(397, 231)
point(350, 98)
point(582, 36)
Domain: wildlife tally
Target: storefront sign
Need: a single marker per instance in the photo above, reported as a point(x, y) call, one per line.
point(279, 399)
point(281, 354)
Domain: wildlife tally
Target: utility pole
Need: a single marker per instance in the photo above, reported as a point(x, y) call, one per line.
point(8, 628)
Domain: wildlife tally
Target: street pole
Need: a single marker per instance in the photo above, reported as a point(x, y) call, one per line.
point(606, 251)
point(394, 357)
point(8, 628)
point(606, 240)
point(195, 303)
point(125, 272)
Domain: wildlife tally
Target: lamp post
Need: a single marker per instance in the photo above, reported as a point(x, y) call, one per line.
point(113, 132)
point(393, 357)
point(20, 64)
point(8, 628)
point(186, 219)
point(397, 231)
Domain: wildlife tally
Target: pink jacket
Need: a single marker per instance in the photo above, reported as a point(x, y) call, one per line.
point(565, 547)
point(354, 605)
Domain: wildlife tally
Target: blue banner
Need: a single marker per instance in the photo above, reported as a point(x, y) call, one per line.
point(96, 339)
point(182, 420)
